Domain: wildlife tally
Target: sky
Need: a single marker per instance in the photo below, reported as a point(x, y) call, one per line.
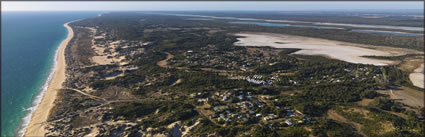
point(187, 5)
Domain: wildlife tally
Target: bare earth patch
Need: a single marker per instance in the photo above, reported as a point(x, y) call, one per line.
point(344, 51)
point(335, 116)
point(417, 77)
point(406, 95)
point(387, 126)
point(365, 102)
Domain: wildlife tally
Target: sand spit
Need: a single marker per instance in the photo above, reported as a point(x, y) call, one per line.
point(344, 51)
point(417, 76)
point(37, 124)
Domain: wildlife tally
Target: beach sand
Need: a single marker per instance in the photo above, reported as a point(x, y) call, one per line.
point(37, 124)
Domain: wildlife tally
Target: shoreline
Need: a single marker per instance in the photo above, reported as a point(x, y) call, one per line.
point(36, 126)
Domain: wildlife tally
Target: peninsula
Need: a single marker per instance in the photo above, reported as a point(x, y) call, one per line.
point(169, 74)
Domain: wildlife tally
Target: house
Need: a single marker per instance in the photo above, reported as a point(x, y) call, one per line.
point(246, 105)
point(298, 113)
point(222, 116)
point(289, 122)
point(307, 118)
point(216, 109)
point(201, 100)
point(241, 97)
point(290, 113)
point(271, 64)
point(270, 125)
point(225, 98)
point(260, 104)
point(266, 96)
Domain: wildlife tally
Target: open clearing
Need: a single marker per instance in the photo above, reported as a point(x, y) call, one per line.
point(417, 77)
point(334, 116)
point(406, 95)
point(344, 51)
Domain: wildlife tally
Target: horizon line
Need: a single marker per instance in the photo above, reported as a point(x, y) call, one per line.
point(229, 10)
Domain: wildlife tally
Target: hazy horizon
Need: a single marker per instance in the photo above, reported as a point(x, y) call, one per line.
point(211, 6)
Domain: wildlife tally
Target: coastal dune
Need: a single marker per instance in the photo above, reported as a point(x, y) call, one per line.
point(36, 127)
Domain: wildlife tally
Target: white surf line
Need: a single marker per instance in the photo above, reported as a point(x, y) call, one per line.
point(39, 97)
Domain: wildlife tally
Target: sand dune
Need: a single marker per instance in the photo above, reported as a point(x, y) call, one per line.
point(344, 51)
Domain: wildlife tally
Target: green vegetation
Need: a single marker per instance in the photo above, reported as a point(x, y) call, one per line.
point(331, 128)
point(379, 123)
point(191, 72)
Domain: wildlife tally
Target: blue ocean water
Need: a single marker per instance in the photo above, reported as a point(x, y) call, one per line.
point(28, 44)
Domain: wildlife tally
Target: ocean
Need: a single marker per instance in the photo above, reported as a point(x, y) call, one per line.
point(29, 41)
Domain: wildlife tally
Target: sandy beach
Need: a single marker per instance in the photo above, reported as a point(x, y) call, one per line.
point(36, 127)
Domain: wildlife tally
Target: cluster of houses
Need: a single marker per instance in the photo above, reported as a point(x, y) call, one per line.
point(244, 107)
point(352, 74)
point(256, 79)
point(207, 57)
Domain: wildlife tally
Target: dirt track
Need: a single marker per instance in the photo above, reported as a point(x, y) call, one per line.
point(333, 115)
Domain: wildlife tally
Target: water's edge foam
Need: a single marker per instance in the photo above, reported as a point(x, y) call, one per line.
point(27, 119)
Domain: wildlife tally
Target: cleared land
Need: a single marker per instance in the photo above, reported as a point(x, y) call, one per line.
point(335, 116)
point(417, 77)
point(406, 95)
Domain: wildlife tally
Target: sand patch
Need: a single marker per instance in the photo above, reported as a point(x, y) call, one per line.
point(93, 132)
point(406, 95)
point(344, 51)
point(365, 102)
point(417, 77)
point(387, 126)
point(107, 55)
point(102, 60)
point(335, 116)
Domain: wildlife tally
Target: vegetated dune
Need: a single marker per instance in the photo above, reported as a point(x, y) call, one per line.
point(417, 77)
point(344, 51)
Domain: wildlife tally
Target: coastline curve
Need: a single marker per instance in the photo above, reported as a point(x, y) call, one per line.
point(33, 123)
